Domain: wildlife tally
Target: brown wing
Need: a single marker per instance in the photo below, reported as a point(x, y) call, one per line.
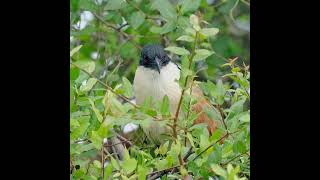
point(199, 108)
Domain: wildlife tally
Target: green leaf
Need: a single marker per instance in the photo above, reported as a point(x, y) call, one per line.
point(88, 85)
point(190, 138)
point(142, 172)
point(237, 107)
point(74, 50)
point(163, 148)
point(74, 73)
point(185, 38)
point(194, 20)
point(183, 22)
point(177, 50)
point(79, 132)
point(165, 106)
point(129, 165)
point(202, 54)
point(190, 31)
point(115, 163)
point(189, 6)
point(74, 124)
point(128, 90)
point(216, 155)
point(136, 19)
point(96, 139)
point(218, 170)
point(71, 95)
point(245, 117)
point(108, 170)
point(88, 66)
point(220, 92)
point(239, 147)
point(156, 29)
point(169, 26)
point(204, 142)
point(115, 4)
point(207, 32)
point(165, 8)
point(96, 111)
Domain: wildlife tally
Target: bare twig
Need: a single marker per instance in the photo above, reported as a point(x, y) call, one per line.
point(222, 117)
point(102, 161)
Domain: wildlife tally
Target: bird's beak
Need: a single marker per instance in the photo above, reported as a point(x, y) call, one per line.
point(158, 64)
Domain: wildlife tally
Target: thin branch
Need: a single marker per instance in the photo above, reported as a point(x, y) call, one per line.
point(245, 2)
point(122, 26)
point(222, 117)
point(232, 159)
point(213, 144)
point(156, 174)
point(106, 86)
point(190, 151)
point(124, 139)
point(231, 11)
point(102, 161)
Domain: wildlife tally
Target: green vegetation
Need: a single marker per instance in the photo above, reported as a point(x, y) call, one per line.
point(209, 41)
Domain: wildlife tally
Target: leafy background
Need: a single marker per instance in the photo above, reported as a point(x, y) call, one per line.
point(106, 37)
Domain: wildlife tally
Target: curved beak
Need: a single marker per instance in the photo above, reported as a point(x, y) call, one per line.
point(158, 64)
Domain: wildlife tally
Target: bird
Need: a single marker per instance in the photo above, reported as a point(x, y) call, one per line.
point(157, 76)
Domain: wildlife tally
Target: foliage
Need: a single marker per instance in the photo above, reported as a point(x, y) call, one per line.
point(106, 39)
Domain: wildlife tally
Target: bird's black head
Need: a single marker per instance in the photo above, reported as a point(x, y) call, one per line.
point(153, 57)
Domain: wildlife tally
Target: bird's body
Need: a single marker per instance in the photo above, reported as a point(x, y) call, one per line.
point(157, 76)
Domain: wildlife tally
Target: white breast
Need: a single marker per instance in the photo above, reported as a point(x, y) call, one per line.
point(149, 82)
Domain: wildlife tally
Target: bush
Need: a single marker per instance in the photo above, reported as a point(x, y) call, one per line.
point(106, 40)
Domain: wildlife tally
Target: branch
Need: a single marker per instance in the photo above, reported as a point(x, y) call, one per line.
point(213, 144)
point(223, 164)
point(156, 174)
point(222, 117)
point(102, 161)
point(106, 86)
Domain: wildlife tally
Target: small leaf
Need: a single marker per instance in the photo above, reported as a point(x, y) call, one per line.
point(189, 5)
point(209, 31)
point(74, 73)
point(194, 20)
point(96, 111)
point(88, 85)
point(190, 31)
point(165, 106)
point(88, 66)
point(156, 29)
point(185, 38)
point(128, 90)
point(165, 8)
point(74, 50)
point(202, 54)
point(115, 163)
point(239, 147)
point(218, 170)
point(177, 50)
point(129, 165)
point(136, 19)
point(169, 26)
point(190, 138)
point(220, 92)
point(115, 4)
point(96, 139)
